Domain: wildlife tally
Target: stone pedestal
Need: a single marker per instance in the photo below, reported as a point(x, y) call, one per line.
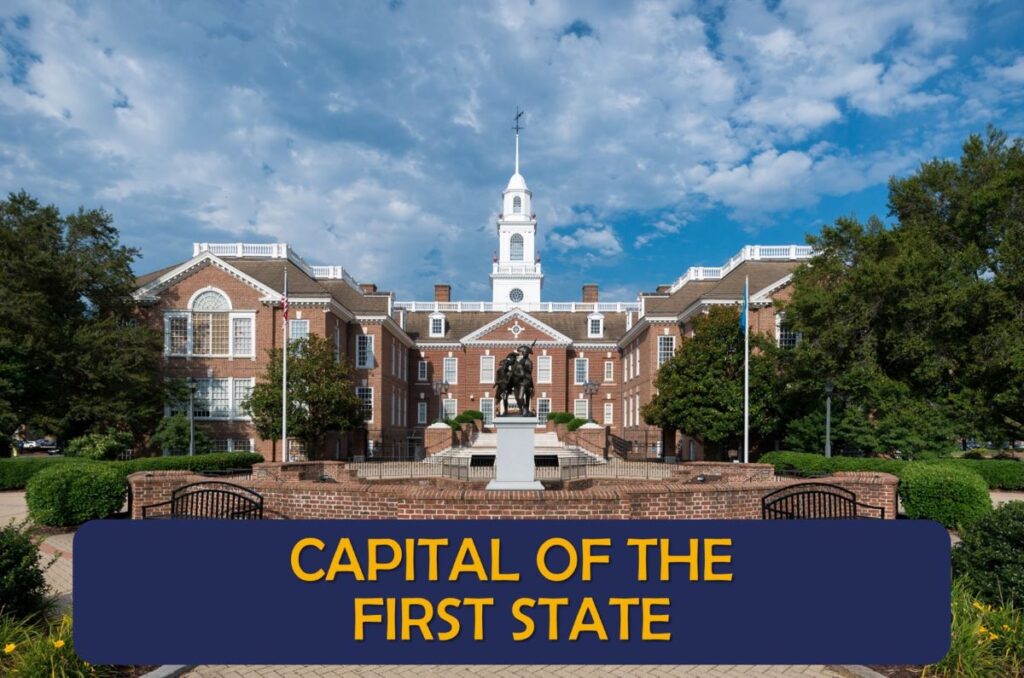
point(513, 463)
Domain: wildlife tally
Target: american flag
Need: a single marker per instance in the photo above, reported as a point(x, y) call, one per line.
point(284, 306)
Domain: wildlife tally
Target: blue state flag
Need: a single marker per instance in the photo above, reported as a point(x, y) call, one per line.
point(746, 302)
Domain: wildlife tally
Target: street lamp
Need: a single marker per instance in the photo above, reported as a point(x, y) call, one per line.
point(590, 388)
point(440, 388)
point(828, 419)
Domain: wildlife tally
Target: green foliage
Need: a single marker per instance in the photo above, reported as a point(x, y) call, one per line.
point(72, 494)
point(39, 647)
point(72, 356)
point(454, 423)
point(463, 418)
point(954, 497)
point(561, 417)
point(575, 423)
point(22, 585)
point(16, 472)
point(918, 325)
point(700, 390)
point(172, 434)
point(1000, 474)
point(991, 556)
point(100, 446)
point(474, 414)
point(322, 397)
point(985, 640)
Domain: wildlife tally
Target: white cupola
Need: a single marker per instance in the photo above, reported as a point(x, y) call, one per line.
point(516, 277)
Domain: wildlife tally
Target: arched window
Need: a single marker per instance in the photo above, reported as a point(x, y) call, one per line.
point(517, 205)
point(516, 248)
point(210, 323)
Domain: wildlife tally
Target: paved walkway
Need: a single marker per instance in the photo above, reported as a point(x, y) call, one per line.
point(577, 671)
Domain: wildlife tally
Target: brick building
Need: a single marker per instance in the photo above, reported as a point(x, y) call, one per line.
point(221, 310)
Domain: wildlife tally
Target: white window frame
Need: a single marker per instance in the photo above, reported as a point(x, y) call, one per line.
point(361, 393)
point(576, 370)
point(433, 317)
point(512, 249)
point(600, 325)
point(486, 372)
point(364, 354)
point(609, 413)
point(542, 413)
point(421, 412)
point(232, 351)
point(780, 320)
point(236, 404)
point(188, 332)
point(487, 407)
point(577, 404)
point(421, 371)
point(609, 370)
point(451, 375)
point(543, 368)
point(449, 412)
point(662, 356)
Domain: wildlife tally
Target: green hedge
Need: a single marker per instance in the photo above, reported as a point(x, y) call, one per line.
point(955, 497)
point(999, 474)
point(15, 473)
point(100, 446)
point(72, 494)
point(22, 584)
point(575, 424)
point(991, 555)
point(474, 414)
point(561, 417)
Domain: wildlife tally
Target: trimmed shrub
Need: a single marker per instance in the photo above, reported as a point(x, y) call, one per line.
point(71, 494)
point(799, 462)
point(1000, 474)
point(15, 473)
point(561, 417)
point(991, 556)
point(955, 497)
point(454, 423)
point(474, 414)
point(100, 446)
point(22, 585)
point(575, 424)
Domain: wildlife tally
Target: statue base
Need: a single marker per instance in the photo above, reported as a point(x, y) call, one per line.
point(513, 463)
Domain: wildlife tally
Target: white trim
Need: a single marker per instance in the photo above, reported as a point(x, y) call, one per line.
point(475, 337)
point(609, 413)
point(455, 372)
point(238, 315)
point(430, 324)
point(422, 413)
point(148, 291)
point(422, 371)
point(576, 405)
point(765, 294)
point(491, 369)
point(204, 290)
point(373, 403)
point(547, 359)
point(371, 358)
point(609, 367)
point(575, 371)
point(600, 319)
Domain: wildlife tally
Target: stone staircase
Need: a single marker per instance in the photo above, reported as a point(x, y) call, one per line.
point(545, 442)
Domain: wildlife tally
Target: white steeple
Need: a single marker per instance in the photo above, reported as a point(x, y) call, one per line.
point(516, 276)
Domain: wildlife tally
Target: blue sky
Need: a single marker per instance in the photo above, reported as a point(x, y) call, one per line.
point(377, 135)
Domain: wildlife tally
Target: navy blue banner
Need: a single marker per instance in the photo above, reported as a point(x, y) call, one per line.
point(511, 592)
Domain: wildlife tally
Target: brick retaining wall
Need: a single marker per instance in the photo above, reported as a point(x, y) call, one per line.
point(289, 491)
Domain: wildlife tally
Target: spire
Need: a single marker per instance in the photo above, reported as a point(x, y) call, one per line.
point(517, 152)
point(518, 127)
point(517, 182)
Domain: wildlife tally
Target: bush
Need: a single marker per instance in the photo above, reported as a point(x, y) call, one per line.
point(15, 473)
point(22, 585)
point(561, 417)
point(174, 433)
point(463, 419)
point(1000, 474)
point(474, 414)
point(72, 494)
point(100, 446)
point(991, 556)
point(955, 497)
point(575, 424)
point(454, 423)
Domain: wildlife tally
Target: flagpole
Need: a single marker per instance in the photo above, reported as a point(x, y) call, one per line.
point(284, 372)
point(746, 370)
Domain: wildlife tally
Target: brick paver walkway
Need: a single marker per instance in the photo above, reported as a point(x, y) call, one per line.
point(723, 671)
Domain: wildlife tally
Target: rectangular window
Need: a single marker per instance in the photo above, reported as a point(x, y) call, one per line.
point(487, 407)
point(609, 370)
point(451, 408)
point(487, 369)
point(784, 336)
point(666, 349)
point(582, 370)
point(608, 412)
point(421, 412)
point(437, 326)
point(241, 336)
point(421, 372)
point(241, 445)
point(212, 399)
point(209, 334)
point(364, 351)
point(222, 445)
point(451, 370)
point(595, 329)
point(242, 391)
point(298, 329)
point(580, 409)
point(543, 410)
point(544, 369)
point(176, 334)
point(365, 394)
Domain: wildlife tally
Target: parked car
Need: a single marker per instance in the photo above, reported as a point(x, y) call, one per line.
point(48, 444)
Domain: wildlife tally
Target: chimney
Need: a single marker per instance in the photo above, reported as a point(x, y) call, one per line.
point(590, 293)
point(663, 289)
point(442, 292)
point(368, 288)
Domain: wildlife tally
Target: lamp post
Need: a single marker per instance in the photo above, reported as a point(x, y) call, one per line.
point(828, 419)
point(590, 388)
point(440, 388)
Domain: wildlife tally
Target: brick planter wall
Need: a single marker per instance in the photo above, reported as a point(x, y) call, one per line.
point(438, 439)
point(676, 498)
point(593, 440)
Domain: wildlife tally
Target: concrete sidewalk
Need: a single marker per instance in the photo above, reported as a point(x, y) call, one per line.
point(573, 671)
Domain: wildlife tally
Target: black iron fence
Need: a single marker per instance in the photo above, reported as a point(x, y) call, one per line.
point(638, 446)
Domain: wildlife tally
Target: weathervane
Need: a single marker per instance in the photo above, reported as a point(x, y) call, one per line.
point(519, 114)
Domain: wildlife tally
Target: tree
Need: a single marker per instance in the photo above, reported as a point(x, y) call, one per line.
point(700, 389)
point(918, 324)
point(322, 397)
point(174, 434)
point(72, 358)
